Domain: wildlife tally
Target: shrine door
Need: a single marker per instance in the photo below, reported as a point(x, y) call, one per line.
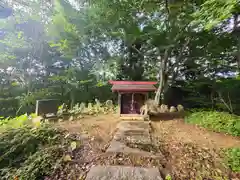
point(132, 102)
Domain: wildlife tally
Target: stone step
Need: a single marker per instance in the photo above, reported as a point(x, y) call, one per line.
point(123, 173)
point(119, 147)
point(133, 125)
point(129, 137)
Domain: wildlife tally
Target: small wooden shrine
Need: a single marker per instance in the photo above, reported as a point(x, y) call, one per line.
point(132, 95)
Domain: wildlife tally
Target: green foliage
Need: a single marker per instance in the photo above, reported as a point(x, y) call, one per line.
point(30, 153)
point(16, 122)
point(216, 121)
point(213, 12)
point(220, 94)
point(41, 163)
point(168, 177)
point(233, 159)
point(8, 106)
point(227, 95)
point(64, 49)
point(62, 109)
point(54, 49)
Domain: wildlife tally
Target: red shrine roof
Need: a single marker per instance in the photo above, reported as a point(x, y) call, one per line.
point(133, 86)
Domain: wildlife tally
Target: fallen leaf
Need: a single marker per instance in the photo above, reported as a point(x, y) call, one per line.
point(67, 158)
point(73, 145)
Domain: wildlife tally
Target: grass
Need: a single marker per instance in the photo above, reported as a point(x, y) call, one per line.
point(216, 121)
point(233, 159)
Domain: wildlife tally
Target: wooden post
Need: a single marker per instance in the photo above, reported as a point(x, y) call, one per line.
point(132, 102)
point(119, 103)
point(146, 96)
point(37, 107)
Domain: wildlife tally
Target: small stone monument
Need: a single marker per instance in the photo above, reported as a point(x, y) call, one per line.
point(47, 106)
point(172, 109)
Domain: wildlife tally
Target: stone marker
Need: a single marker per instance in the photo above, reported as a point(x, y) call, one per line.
point(123, 173)
point(47, 106)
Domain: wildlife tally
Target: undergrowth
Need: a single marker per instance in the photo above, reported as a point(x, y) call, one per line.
point(220, 122)
point(28, 153)
point(233, 159)
point(216, 121)
point(16, 122)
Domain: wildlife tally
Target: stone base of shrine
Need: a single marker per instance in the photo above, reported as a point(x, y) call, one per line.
point(133, 117)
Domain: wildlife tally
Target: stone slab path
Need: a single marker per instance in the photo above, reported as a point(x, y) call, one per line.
point(129, 136)
point(123, 173)
point(131, 132)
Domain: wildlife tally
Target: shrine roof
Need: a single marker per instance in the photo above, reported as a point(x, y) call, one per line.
point(133, 82)
point(133, 86)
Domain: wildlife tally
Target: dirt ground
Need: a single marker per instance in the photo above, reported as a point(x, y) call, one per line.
point(177, 130)
point(100, 127)
point(104, 126)
point(192, 152)
point(189, 152)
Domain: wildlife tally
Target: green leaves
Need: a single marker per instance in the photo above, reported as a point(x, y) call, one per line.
point(73, 145)
point(233, 159)
point(31, 153)
point(213, 12)
point(17, 122)
point(216, 121)
point(20, 35)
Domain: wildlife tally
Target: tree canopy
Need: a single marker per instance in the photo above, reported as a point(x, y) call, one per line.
point(69, 49)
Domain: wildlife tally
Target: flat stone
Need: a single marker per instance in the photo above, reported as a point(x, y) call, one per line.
point(123, 173)
point(120, 147)
point(133, 131)
point(133, 125)
point(133, 136)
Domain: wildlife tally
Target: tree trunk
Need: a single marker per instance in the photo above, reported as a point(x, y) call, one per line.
point(162, 77)
point(62, 92)
point(159, 90)
point(236, 30)
point(72, 97)
point(238, 54)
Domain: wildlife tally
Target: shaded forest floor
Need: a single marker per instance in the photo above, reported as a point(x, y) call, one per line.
point(193, 152)
point(187, 151)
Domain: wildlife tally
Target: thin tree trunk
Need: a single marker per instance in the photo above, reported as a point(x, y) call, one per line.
point(62, 92)
point(238, 54)
point(162, 71)
point(72, 99)
point(236, 28)
point(229, 107)
point(162, 77)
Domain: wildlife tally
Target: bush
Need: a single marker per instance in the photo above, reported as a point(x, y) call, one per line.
point(16, 122)
point(216, 121)
point(8, 106)
point(233, 159)
point(31, 153)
